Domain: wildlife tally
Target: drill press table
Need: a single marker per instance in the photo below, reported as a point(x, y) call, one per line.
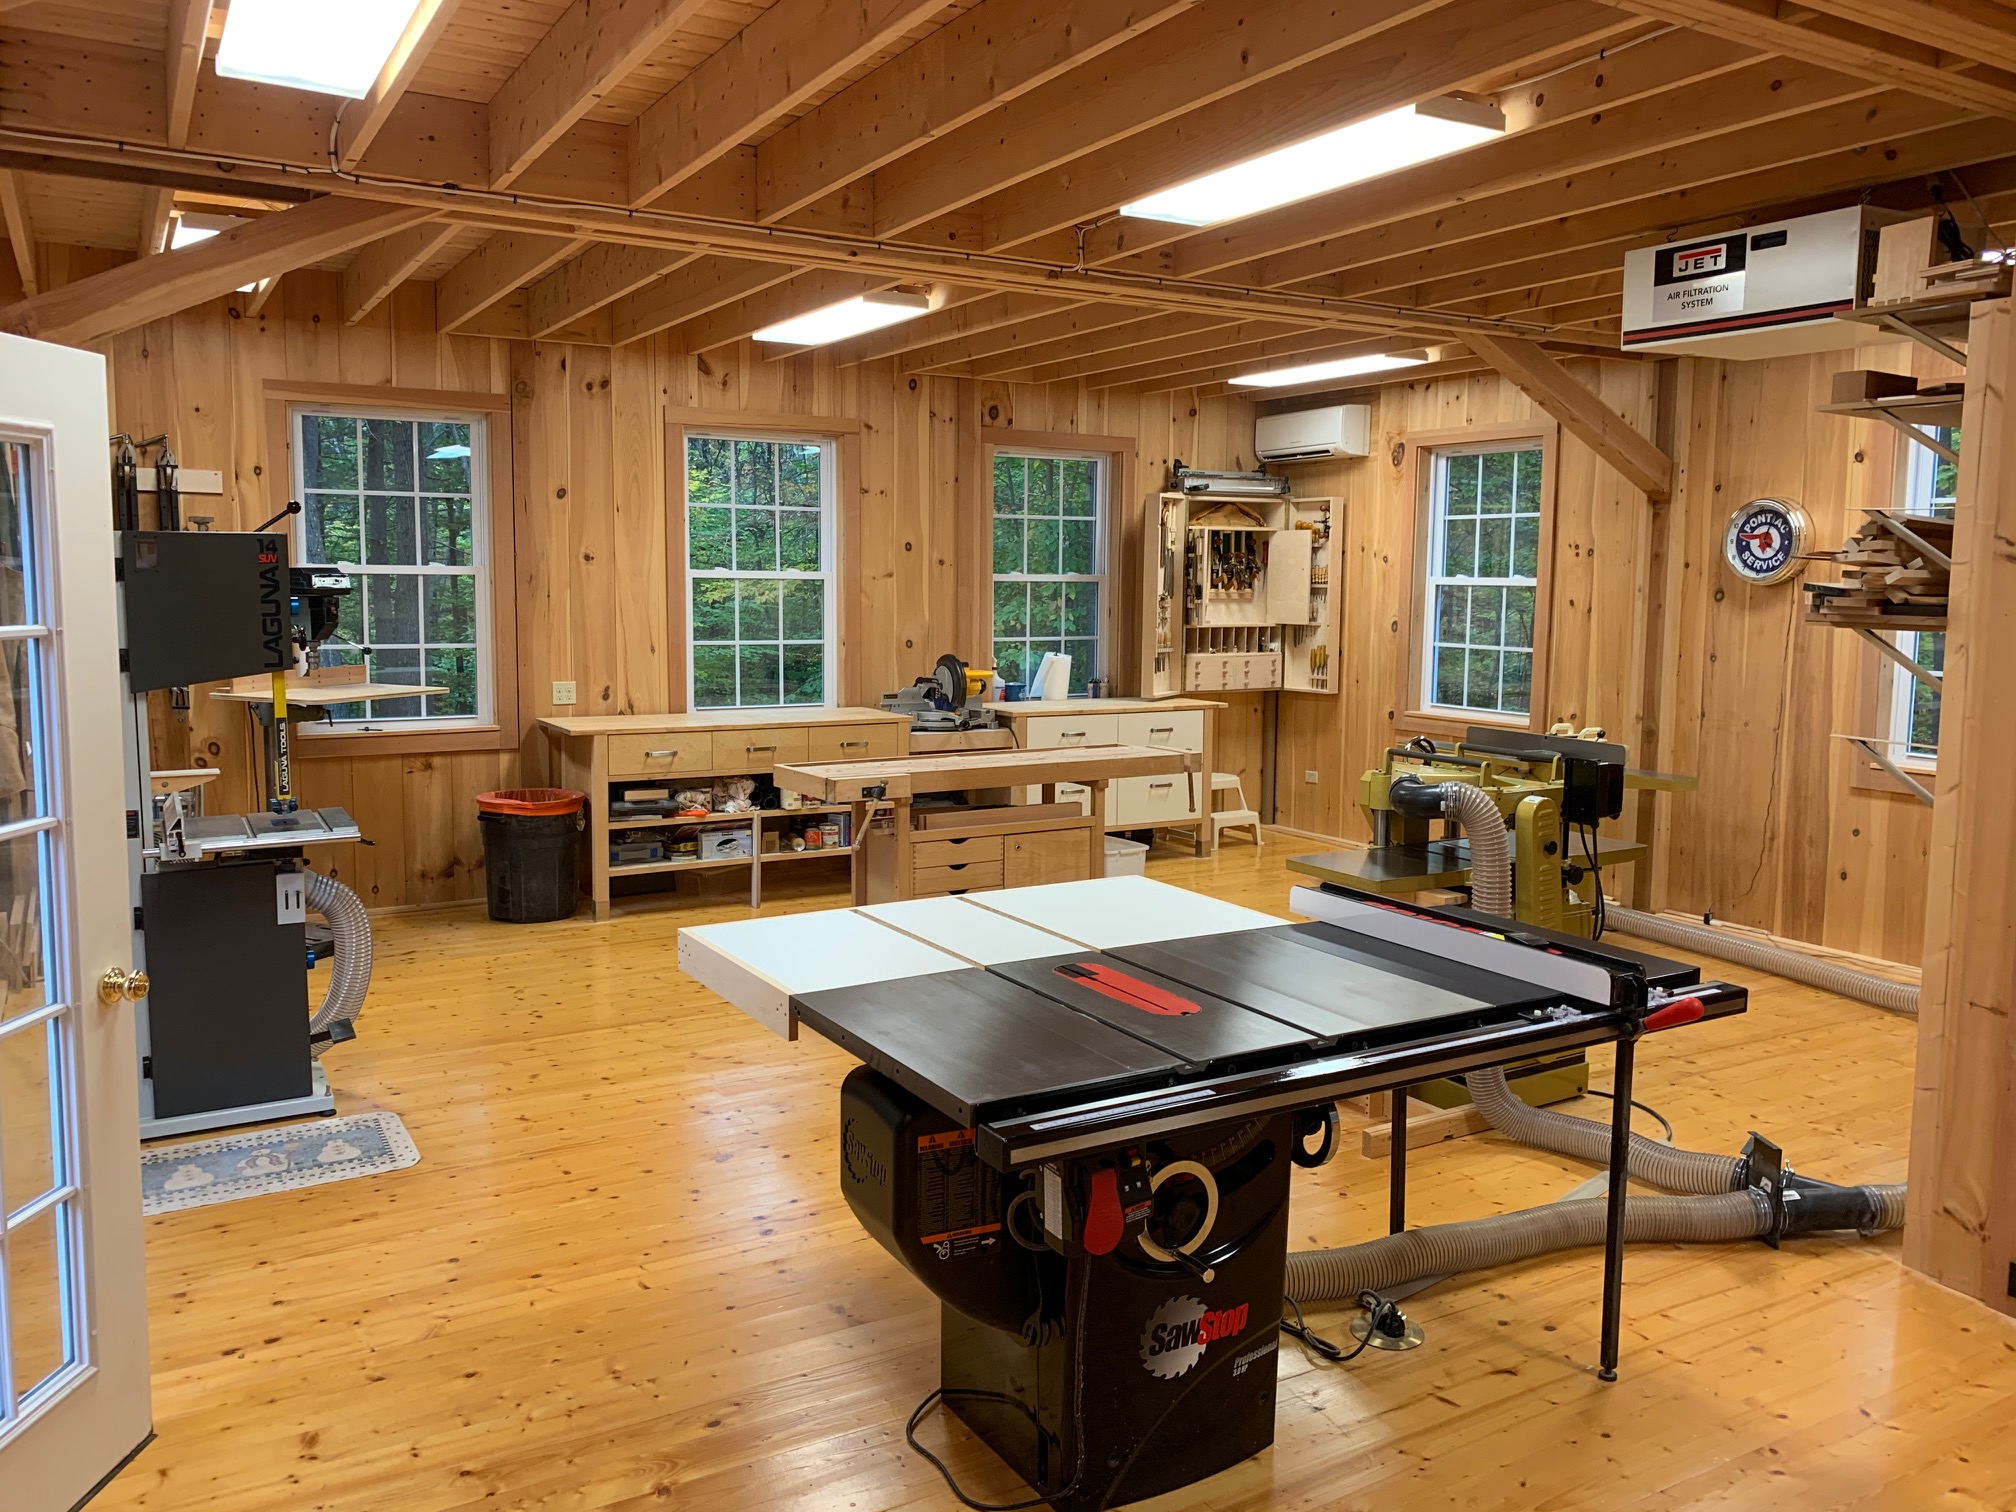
point(1139, 1066)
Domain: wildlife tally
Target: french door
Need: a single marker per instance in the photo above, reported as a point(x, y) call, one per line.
point(73, 1290)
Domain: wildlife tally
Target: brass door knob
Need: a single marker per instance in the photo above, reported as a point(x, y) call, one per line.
point(117, 983)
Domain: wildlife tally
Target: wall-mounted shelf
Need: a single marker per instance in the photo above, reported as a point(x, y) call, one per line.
point(1905, 413)
point(1877, 749)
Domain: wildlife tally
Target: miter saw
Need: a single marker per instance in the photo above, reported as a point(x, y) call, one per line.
point(952, 697)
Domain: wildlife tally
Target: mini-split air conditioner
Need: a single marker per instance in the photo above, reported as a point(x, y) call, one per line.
point(1337, 430)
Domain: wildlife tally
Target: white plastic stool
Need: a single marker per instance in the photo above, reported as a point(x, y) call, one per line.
point(1237, 817)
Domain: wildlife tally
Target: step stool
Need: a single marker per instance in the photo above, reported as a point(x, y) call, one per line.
point(1237, 817)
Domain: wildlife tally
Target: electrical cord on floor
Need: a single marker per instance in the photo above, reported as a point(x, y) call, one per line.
point(1651, 1112)
point(1600, 905)
point(947, 1394)
point(1376, 1310)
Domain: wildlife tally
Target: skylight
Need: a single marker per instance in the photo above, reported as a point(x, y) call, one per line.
point(1343, 367)
point(312, 44)
point(1349, 155)
point(850, 317)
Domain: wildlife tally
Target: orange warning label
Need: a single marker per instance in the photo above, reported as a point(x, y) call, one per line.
point(957, 1234)
point(949, 1141)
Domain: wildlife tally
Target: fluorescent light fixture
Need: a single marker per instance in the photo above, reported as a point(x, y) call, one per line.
point(187, 235)
point(850, 317)
point(312, 44)
point(1316, 372)
point(1349, 155)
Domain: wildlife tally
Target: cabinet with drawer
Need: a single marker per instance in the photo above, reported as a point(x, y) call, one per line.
point(599, 754)
point(1173, 724)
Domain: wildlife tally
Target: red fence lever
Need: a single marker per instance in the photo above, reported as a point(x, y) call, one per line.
point(1687, 1010)
point(1104, 1222)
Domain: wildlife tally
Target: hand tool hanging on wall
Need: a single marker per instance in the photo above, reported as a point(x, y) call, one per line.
point(125, 484)
point(167, 492)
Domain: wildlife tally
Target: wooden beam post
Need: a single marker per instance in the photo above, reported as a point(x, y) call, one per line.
point(137, 292)
point(20, 236)
point(1581, 412)
point(358, 127)
point(188, 31)
point(1961, 1227)
point(157, 209)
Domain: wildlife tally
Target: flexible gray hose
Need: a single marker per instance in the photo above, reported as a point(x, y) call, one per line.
point(1446, 1248)
point(1490, 854)
point(1659, 1164)
point(1898, 997)
point(350, 966)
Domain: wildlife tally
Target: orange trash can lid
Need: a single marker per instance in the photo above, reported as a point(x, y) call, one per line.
point(531, 802)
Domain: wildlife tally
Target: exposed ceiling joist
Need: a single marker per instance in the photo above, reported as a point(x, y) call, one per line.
point(361, 121)
point(1401, 66)
point(690, 293)
point(729, 323)
point(1059, 322)
point(779, 60)
point(157, 209)
point(1282, 351)
point(494, 270)
point(1202, 340)
point(1979, 29)
point(188, 30)
point(1581, 412)
point(137, 292)
point(994, 53)
point(989, 312)
point(1202, 55)
point(595, 44)
point(385, 264)
point(1168, 332)
point(20, 235)
point(1902, 61)
point(600, 276)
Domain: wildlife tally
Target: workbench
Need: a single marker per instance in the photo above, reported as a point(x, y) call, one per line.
point(986, 847)
point(1171, 724)
point(590, 752)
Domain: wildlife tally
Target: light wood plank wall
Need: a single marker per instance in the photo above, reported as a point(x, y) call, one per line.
point(589, 459)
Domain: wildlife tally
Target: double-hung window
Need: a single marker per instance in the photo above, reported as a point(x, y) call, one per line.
point(1482, 579)
point(1930, 485)
point(401, 501)
point(1049, 563)
point(759, 571)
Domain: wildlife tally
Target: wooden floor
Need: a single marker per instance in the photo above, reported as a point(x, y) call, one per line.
point(622, 1277)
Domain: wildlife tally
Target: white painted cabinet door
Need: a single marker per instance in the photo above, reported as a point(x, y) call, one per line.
point(74, 1400)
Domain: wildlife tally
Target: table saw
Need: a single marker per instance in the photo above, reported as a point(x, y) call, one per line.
point(1080, 1104)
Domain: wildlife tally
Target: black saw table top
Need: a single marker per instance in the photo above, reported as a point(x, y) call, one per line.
point(1064, 1027)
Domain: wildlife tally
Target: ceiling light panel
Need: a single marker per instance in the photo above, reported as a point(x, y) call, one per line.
point(314, 45)
point(850, 317)
point(1316, 372)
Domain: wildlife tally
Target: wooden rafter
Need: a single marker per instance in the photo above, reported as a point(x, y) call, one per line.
point(188, 30)
point(137, 292)
point(20, 235)
point(1580, 410)
point(989, 312)
point(778, 61)
point(595, 44)
point(362, 120)
point(690, 293)
point(1977, 29)
point(994, 53)
point(729, 323)
point(157, 209)
point(1060, 321)
point(495, 270)
point(1900, 59)
point(600, 276)
point(385, 264)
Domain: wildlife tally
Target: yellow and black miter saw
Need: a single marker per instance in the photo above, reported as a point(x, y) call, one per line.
point(952, 697)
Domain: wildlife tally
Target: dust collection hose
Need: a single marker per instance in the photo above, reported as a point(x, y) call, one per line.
point(349, 965)
point(1719, 1209)
point(1880, 992)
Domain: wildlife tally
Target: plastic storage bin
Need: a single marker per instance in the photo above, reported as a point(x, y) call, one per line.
point(1125, 858)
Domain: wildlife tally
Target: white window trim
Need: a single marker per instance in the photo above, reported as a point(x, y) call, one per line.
point(480, 506)
point(829, 462)
point(1102, 494)
point(1431, 582)
point(1921, 472)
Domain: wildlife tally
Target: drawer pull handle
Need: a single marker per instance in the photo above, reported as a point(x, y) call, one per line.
point(1161, 784)
point(666, 754)
point(848, 745)
point(753, 749)
point(1161, 729)
point(1071, 734)
point(958, 866)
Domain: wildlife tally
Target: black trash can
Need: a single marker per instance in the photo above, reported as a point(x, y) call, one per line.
point(531, 853)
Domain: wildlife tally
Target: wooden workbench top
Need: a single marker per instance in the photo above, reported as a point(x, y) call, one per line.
point(954, 772)
point(1024, 708)
point(320, 695)
point(717, 719)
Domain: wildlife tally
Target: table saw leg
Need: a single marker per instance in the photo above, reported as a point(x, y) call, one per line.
point(1613, 1231)
point(1396, 1198)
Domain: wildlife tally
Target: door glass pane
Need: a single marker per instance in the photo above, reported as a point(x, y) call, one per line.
point(38, 1266)
point(30, 1113)
point(22, 988)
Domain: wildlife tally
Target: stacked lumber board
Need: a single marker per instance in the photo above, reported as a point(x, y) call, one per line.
point(1894, 575)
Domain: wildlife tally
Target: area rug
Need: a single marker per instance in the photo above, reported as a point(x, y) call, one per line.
point(208, 1171)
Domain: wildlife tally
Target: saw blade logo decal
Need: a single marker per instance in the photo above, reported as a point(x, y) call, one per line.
point(1177, 1333)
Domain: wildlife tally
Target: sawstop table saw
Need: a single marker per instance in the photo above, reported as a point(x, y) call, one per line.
point(1080, 1105)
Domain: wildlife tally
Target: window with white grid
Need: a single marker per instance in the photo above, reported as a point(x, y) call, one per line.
point(1049, 563)
point(1931, 483)
point(401, 502)
point(759, 572)
point(1482, 579)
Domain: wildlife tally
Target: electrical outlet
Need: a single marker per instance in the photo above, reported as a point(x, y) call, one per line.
point(1309, 777)
point(563, 694)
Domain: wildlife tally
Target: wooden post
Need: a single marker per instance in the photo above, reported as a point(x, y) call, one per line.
point(1961, 1227)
